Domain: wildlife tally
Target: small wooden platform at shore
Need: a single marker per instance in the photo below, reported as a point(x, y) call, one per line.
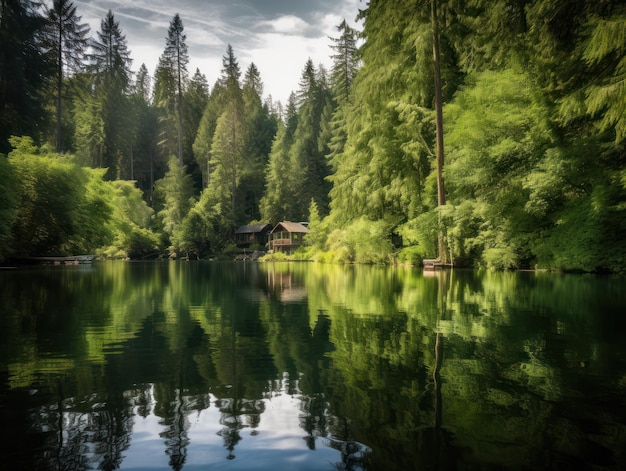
point(70, 260)
point(431, 264)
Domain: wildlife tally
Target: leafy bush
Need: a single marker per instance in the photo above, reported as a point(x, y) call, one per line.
point(275, 257)
point(62, 208)
point(412, 255)
point(503, 258)
point(8, 204)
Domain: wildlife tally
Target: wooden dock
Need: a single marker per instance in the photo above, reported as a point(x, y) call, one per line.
point(431, 264)
point(70, 260)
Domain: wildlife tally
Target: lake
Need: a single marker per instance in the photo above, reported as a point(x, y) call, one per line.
point(302, 366)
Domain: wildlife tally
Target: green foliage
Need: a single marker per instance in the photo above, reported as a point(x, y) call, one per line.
point(62, 208)
point(8, 204)
point(205, 229)
point(92, 213)
point(411, 255)
point(275, 257)
point(48, 194)
point(176, 191)
point(586, 235)
point(421, 232)
point(130, 223)
point(370, 241)
point(497, 134)
point(205, 131)
point(606, 46)
point(276, 204)
point(113, 123)
point(25, 67)
point(363, 241)
point(318, 229)
point(68, 37)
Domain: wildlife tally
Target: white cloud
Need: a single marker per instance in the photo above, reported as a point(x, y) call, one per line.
point(288, 24)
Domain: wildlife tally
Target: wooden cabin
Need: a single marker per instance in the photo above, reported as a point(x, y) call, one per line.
point(287, 236)
point(245, 236)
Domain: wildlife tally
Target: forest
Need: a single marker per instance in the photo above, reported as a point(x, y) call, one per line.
point(525, 169)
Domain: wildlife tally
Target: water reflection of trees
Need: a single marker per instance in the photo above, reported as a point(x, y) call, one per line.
point(427, 372)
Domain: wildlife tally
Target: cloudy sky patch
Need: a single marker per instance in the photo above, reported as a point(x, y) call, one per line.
point(279, 36)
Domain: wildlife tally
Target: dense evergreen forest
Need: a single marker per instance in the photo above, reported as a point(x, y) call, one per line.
point(98, 158)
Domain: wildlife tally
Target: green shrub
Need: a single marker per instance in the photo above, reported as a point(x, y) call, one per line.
point(412, 255)
point(503, 258)
point(275, 257)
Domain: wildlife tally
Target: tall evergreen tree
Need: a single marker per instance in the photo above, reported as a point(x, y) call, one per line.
point(142, 83)
point(24, 69)
point(144, 168)
point(308, 151)
point(278, 202)
point(260, 130)
point(68, 37)
point(228, 143)
point(227, 164)
point(195, 100)
point(343, 73)
point(206, 128)
point(165, 104)
point(345, 62)
point(110, 64)
point(175, 192)
point(380, 173)
point(110, 57)
point(178, 57)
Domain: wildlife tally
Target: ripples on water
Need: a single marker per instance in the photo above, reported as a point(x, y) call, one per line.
point(303, 366)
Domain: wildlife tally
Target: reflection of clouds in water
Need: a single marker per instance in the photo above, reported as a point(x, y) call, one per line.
point(274, 440)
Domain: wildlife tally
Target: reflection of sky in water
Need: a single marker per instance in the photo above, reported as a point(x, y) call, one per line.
point(278, 442)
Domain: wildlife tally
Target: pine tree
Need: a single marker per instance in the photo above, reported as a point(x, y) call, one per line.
point(378, 169)
point(142, 84)
point(228, 142)
point(260, 130)
point(144, 168)
point(606, 95)
point(307, 154)
point(68, 37)
point(165, 104)
point(110, 57)
point(176, 192)
point(345, 62)
point(278, 201)
point(24, 69)
point(343, 73)
point(195, 101)
point(110, 65)
point(177, 55)
point(206, 128)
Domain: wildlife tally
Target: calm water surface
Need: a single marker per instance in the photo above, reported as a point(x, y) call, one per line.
point(193, 366)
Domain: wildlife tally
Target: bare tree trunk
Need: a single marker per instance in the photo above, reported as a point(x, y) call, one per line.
point(59, 86)
point(441, 194)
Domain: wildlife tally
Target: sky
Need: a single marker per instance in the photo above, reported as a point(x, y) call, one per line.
point(279, 36)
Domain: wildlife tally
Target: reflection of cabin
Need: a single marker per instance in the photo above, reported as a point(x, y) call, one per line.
point(287, 236)
point(286, 287)
point(246, 236)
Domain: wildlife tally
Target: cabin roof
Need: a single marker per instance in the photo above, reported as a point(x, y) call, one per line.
point(290, 227)
point(252, 229)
